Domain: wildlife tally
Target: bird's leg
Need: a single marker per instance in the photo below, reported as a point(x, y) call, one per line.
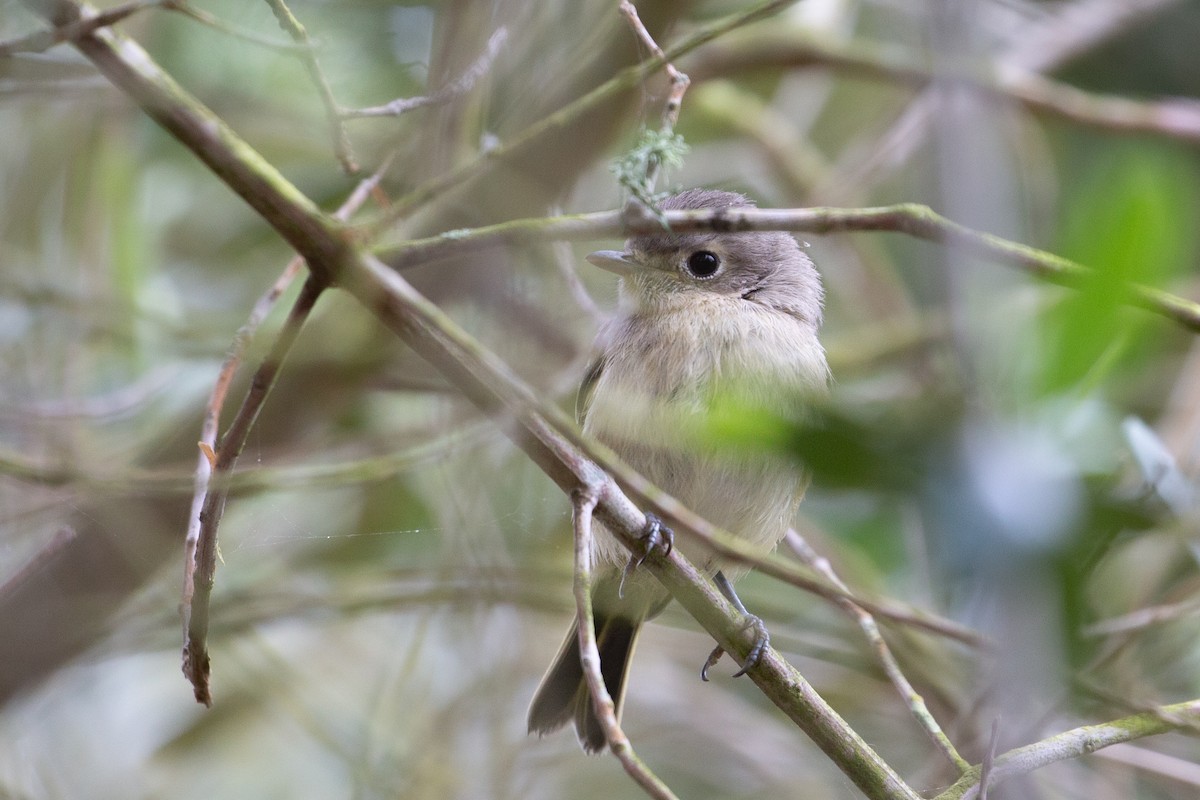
point(655, 534)
point(761, 637)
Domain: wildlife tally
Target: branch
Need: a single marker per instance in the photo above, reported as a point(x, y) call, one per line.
point(257, 478)
point(206, 462)
point(198, 533)
point(642, 185)
point(456, 88)
point(1177, 119)
point(1143, 618)
point(1074, 743)
point(883, 653)
point(341, 142)
point(679, 81)
point(584, 501)
point(195, 649)
point(915, 220)
point(41, 41)
point(207, 19)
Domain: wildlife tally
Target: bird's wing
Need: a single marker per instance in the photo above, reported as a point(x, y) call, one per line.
point(583, 399)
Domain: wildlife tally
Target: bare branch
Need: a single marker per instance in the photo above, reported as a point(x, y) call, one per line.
point(989, 759)
point(201, 529)
point(456, 88)
point(199, 582)
point(1073, 743)
point(912, 219)
point(207, 19)
point(1172, 118)
point(679, 81)
point(883, 653)
point(1143, 618)
point(584, 500)
point(293, 28)
point(42, 41)
point(1071, 29)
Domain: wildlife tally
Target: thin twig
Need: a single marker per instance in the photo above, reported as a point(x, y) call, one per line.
point(1068, 30)
point(44, 555)
point(883, 653)
point(1181, 770)
point(1098, 690)
point(564, 259)
point(207, 19)
point(257, 478)
point(1143, 618)
point(116, 403)
point(42, 41)
point(642, 186)
point(456, 88)
point(989, 759)
point(584, 500)
point(337, 132)
point(196, 665)
point(206, 463)
point(679, 81)
point(209, 427)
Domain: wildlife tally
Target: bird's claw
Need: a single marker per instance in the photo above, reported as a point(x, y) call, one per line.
point(654, 535)
point(762, 639)
point(711, 661)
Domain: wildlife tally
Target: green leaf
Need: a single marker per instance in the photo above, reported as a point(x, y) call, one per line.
point(1128, 222)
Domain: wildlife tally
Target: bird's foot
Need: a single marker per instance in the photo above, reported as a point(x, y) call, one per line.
point(762, 639)
point(654, 535)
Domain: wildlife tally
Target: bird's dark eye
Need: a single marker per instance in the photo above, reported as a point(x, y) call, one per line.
point(703, 264)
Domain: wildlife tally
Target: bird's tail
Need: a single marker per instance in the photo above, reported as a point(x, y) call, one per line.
point(563, 694)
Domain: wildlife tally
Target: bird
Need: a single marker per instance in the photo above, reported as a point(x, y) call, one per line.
point(703, 316)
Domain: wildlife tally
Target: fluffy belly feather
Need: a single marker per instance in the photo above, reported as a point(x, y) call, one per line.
point(649, 403)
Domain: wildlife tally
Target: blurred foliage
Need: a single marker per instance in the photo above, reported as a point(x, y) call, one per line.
point(396, 575)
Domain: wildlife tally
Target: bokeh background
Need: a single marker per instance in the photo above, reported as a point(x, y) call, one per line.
point(1015, 456)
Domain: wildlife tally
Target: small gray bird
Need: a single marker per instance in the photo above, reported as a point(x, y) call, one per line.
point(704, 316)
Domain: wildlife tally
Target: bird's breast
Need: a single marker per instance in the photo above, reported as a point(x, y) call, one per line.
point(660, 375)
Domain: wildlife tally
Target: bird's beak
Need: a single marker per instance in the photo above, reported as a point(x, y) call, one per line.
point(615, 261)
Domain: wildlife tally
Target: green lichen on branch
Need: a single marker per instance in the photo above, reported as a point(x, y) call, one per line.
point(637, 170)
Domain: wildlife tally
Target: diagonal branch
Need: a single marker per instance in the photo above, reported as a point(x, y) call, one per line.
point(1073, 743)
point(41, 41)
point(455, 88)
point(883, 653)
